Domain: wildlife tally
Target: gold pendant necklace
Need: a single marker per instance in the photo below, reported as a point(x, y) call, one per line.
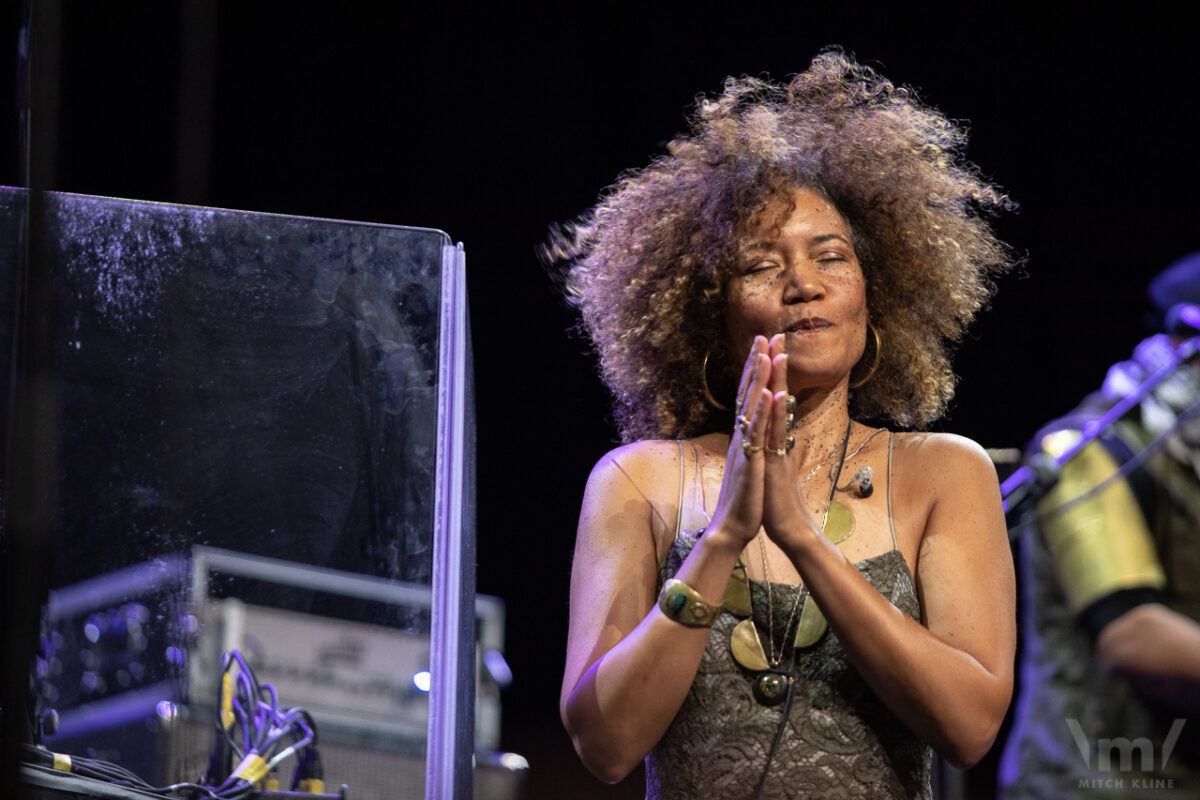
point(839, 524)
point(771, 684)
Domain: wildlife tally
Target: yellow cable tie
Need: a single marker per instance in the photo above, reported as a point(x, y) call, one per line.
point(227, 716)
point(252, 769)
point(62, 762)
point(312, 786)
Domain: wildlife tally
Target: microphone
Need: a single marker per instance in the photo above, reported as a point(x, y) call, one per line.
point(863, 478)
point(1182, 319)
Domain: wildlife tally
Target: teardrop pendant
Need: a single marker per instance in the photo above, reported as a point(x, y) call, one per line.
point(839, 522)
point(812, 624)
point(746, 647)
point(771, 687)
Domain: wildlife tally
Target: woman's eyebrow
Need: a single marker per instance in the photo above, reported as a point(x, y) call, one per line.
point(825, 237)
point(757, 247)
point(760, 247)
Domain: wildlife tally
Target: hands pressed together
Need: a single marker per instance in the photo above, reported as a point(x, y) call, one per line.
point(761, 488)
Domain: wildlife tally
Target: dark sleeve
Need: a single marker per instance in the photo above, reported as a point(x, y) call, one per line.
point(1103, 611)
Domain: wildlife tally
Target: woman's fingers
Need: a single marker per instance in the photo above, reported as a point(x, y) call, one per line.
point(779, 416)
point(739, 506)
point(754, 420)
point(757, 348)
point(776, 346)
point(754, 432)
point(780, 439)
point(758, 380)
point(779, 365)
point(740, 501)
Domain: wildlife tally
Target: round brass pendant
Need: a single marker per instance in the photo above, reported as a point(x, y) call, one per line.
point(771, 687)
point(839, 522)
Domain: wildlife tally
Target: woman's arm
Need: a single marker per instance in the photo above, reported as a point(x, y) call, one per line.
point(949, 680)
point(629, 666)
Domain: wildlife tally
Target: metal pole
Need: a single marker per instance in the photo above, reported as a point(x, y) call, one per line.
point(31, 444)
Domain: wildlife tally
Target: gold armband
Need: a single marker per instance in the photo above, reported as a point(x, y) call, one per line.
point(1102, 544)
point(684, 604)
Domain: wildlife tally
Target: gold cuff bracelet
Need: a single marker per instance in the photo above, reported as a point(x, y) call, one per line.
point(684, 604)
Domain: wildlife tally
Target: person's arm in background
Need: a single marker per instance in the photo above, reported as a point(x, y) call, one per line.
point(1111, 575)
point(1157, 651)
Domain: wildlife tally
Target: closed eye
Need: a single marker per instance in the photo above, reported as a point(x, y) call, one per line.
point(842, 250)
point(760, 266)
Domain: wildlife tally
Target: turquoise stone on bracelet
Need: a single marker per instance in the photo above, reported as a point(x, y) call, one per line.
point(683, 604)
point(676, 603)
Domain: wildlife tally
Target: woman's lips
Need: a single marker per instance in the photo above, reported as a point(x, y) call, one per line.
point(810, 325)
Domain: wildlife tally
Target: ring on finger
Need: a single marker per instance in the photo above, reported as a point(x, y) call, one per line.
point(789, 443)
point(783, 451)
point(750, 449)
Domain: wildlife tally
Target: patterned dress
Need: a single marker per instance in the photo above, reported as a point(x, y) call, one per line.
point(841, 740)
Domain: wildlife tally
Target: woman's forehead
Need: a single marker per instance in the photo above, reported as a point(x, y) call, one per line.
point(796, 210)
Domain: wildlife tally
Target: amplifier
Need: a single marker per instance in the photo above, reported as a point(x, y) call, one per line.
point(132, 661)
point(347, 674)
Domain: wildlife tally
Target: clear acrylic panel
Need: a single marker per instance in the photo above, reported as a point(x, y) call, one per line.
point(248, 425)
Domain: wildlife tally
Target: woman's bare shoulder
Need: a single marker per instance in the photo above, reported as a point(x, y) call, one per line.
point(933, 451)
point(644, 455)
point(634, 484)
point(951, 483)
point(649, 465)
point(929, 467)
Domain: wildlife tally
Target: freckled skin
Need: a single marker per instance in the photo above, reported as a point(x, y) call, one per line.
point(809, 268)
point(805, 269)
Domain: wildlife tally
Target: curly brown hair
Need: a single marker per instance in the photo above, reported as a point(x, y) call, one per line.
point(648, 264)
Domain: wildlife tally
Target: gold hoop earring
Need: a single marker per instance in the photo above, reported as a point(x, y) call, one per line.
point(708, 395)
point(875, 362)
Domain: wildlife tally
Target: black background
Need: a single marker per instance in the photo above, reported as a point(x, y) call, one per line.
point(493, 123)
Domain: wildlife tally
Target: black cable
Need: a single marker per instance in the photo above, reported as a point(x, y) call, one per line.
point(264, 729)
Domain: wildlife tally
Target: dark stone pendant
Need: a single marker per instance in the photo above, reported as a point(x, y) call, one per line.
point(771, 687)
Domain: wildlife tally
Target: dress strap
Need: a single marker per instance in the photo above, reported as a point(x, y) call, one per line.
point(698, 489)
point(891, 523)
point(679, 504)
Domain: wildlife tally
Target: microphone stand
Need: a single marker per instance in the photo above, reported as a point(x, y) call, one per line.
point(1031, 482)
point(31, 446)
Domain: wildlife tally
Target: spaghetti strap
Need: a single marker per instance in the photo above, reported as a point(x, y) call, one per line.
point(679, 504)
point(891, 524)
point(698, 489)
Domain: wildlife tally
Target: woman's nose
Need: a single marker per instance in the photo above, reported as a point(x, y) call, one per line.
point(803, 283)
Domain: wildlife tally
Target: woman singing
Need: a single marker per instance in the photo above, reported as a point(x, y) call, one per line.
point(769, 597)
